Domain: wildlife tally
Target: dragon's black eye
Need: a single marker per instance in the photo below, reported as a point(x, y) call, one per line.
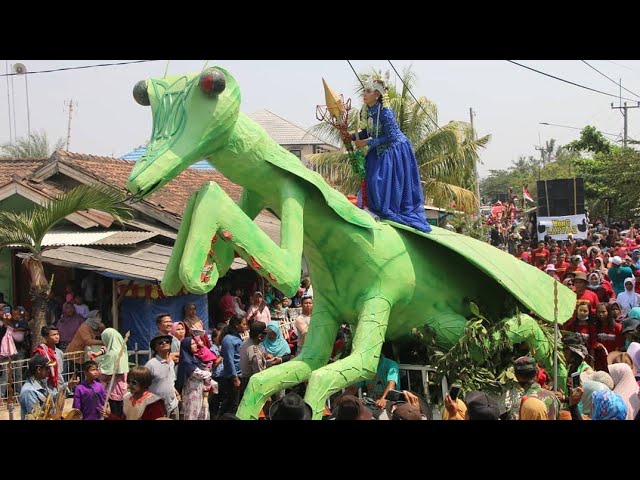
point(212, 82)
point(140, 93)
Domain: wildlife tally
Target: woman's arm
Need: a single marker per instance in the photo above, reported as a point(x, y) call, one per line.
point(362, 134)
point(386, 123)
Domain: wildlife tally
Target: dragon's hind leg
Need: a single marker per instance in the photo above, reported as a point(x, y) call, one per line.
point(360, 365)
point(315, 353)
point(523, 328)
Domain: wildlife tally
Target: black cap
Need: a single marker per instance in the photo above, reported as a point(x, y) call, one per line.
point(40, 361)
point(481, 406)
point(159, 336)
point(290, 407)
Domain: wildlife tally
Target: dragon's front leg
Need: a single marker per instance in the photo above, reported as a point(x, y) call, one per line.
point(315, 354)
point(217, 226)
point(171, 281)
point(360, 365)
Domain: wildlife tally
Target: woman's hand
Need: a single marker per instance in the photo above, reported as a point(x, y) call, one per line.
point(576, 395)
point(361, 143)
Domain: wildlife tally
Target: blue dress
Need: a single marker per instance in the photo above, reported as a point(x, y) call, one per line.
point(394, 191)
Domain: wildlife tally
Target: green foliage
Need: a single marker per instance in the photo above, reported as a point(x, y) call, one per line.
point(591, 140)
point(27, 229)
point(471, 226)
point(527, 170)
point(611, 183)
point(480, 360)
point(34, 146)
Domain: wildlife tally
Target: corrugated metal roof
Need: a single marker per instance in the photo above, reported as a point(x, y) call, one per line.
point(95, 238)
point(282, 131)
point(149, 227)
point(146, 261)
point(138, 152)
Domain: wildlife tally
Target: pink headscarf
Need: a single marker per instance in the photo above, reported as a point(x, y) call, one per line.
point(173, 328)
point(626, 386)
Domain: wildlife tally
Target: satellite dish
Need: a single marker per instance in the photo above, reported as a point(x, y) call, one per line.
point(19, 68)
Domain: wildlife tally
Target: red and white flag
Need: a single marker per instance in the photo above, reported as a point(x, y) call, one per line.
point(526, 194)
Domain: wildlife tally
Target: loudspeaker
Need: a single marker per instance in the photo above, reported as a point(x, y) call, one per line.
point(560, 197)
point(503, 197)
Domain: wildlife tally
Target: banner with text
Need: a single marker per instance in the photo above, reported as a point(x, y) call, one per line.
point(559, 228)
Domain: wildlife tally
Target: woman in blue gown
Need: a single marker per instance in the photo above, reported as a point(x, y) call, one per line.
point(393, 187)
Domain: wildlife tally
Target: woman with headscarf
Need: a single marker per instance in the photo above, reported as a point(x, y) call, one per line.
point(589, 387)
point(86, 336)
point(595, 285)
point(601, 266)
point(629, 298)
point(178, 330)
point(114, 361)
point(193, 382)
point(532, 408)
point(625, 385)
point(274, 344)
point(616, 312)
point(608, 405)
point(193, 322)
point(633, 350)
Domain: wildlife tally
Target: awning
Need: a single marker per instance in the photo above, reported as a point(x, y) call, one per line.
point(145, 261)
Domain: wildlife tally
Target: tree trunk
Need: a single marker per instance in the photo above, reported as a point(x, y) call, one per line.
point(39, 291)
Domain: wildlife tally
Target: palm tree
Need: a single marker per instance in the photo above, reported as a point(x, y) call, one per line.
point(27, 229)
point(445, 154)
point(35, 145)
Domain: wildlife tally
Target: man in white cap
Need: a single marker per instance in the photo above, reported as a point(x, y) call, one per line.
point(618, 273)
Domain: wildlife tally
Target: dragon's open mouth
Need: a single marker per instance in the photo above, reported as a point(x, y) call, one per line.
point(141, 194)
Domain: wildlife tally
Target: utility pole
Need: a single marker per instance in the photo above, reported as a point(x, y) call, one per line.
point(541, 149)
point(624, 107)
point(70, 105)
point(475, 162)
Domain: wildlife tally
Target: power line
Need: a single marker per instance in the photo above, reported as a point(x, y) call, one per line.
point(616, 83)
point(78, 68)
point(569, 82)
point(354, 72)
point(414, 98)
point(620, 65)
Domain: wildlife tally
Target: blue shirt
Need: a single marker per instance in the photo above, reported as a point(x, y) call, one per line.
point(217, 372)
point(231, 344)
point(387, 371)
point(33, 392)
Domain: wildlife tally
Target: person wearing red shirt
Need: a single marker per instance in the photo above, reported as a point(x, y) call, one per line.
point(580, 287)
point(582, 324)
point(523, 254)
point(541, 256)
point(561, 265)
point(609, 332)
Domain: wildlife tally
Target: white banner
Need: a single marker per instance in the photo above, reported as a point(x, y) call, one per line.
point(559, 228)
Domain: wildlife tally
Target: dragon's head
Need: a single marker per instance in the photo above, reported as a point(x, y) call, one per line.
point(193, 116)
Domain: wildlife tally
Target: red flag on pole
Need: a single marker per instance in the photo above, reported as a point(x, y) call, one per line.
point(526, 194)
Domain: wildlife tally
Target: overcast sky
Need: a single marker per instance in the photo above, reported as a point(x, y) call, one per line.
point(509, 100)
